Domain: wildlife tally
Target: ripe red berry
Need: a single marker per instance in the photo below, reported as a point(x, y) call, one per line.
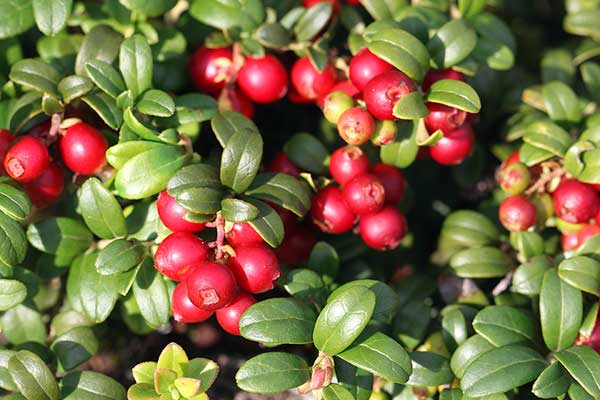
point(256, 268)
point(335, 4)
point(297, 245)
point(209, 68)
point(178, 254)
point(444, 118)
point(517, 213)
point(289, 219)
point(570, 241)
point(347, 162)
point(454, 147)
point(229, 317)
point(263, 80)
point(211, 286)
point(393, 182)
point(434, 76)
point(346, 87)
point(281, 163)
point(184, 310)
point(82, 149)
point(575, 202)
point(44, 190)
point(384, 91)
point(514, 178)
point(6, 139)
point(243, 234)
point(309, 82)
point(172, 215)
point(237, 101)
point(365, 66)
point(330, 212)
point(26, 159)
point(588, 232)
point(356, 126)
point(384, 229)
point(364, 194)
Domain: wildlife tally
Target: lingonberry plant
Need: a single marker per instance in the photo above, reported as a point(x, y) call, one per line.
point(263, 182)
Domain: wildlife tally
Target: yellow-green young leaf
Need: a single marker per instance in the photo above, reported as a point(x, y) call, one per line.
point(429, 369)
point(581, 272)
point(144, 372)
point(591, 167)
point(283, 190)
point(16, 16)
point(120, 153)
point(135, 63)
point(204, 370)
point(451, 44)
point(163, 380)
point(51, 15)
point(91, 386)
point(173, 357)
point(583, 365)
point(75, 347)
point(469, 351)
point(6, 381)
point(142, 391)
point(454, 93)
point(504, 325)
point(470, 8)
point(187, 387)
point(553, 382)
point(32, 376)
point(272, 373)
point(100, 210)
point(336, 392)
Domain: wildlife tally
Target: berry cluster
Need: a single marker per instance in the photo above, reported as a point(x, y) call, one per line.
point(367, 196)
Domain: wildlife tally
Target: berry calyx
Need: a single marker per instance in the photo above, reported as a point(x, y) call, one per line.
point(83, 149)
point(575, 202)
point(383, 230)
point(243, 234)
point(434, 76)
point(263, 80)
point(347, 162)
point(454, 147)
point(384, 91)
point(46, 188)
point(444, 118)
point(27, 159)
point(330, 212)
point(184, 310)
point(178, 254)
point(256, 268)
point(281, 163)
point(211, 286)
point(309, 82)
point(393, 182)
point(365, 66)
point(172, 215)
point(356, 126)
point(517, 213)
point(364, 194)
point(229, 317)
point(335, 104)
point(514, 178)
point(209, 68)
point(385, 133)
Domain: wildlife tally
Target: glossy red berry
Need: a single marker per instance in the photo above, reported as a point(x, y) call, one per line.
point(211, 286)
point(309, 82)
point(347, 162)
point(346, 87)
point(184, 310)
point(243, 234)
point(296, 245)
point(575, 202)
point(6, 139)
point(356, 126)
point(569, 241)
point(365, 66)
point(44, 190)
point(335, 4)
point(444, 118)
point(384, 91)
point(364, 194)
point(383, 230)
point(454, 147)
point(517, 213)
point(588, 232)
point(393, 182)
point(263, 80)
point(237, 101)
point(281, 163)
point(83, 149)
point(178, 254)
point(172, 215)
point(229, 317)
point(434, 76)
point(209, 68)
point(256, 268)
point(330, 212)
point(26, 159)
point(289, 219)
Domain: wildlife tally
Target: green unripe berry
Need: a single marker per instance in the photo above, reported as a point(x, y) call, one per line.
point(378, 396)
point(543, 206)
point(385, 133)
point(335, 104)
point(514, 178)
point(567, 227)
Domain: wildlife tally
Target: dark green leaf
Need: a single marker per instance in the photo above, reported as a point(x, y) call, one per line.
point(268, 224)
point(227, 123)
point(272, 35)
point(504, 325)
point(451, 44)
point(64, 237)
point(528, 277)
point(120, 255)
point(51, 15)
point(156, 103)
point(307, 152)
point(106, 108)
point(528, 244)
point(283, 190)
point(557, 65)
point(101, 210)
point(194, 176)
point(583, 364)
point(36, 75)
point(470, 229)
point(386, 302)
point(272, 373)
point(101, 43)
point(496, 45)
point(429, 369)
point(554, 381)
point(106, 77)
point(33, 378)
point(236, 210)
point(313, 21)
point(469, 351)
point(241, 159)
point(74, 86)
point(14, 202)
point(90, 385)
point(306, 284)
point(324, 259)
point(482, 262)
point(201, 200)
point(26, 107)
point(151, 295)
point(454, 93)
point(75, 347)
point(135, 63)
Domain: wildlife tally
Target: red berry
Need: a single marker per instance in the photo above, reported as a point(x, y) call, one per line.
point(263, 80)
point(237, 101)
point(444, 118)
point(575, 202)
point(347, 162)
point(454, 147)
point(384, 229)
point(330, 212)
point(289, 219)
point(570, 241)
point(209, 68)
point(512, 159)
point(517, 213)
point(26, 159)
point(384, 91)
point(297, 245)
point(229, 317)
point(243, 234)
point(256, 268)
point(309, 82)
point(335, 4)
point(281, 163)
point(356, 126)
point(172, 215)
point(6, 139)
point(184, 310)
point(82, 149)
point(434, 76)
point(588, 232)
point(393, 182)
point(211, 286)
point(44, 190)
point(41, 131)
point(353, 2)
point(346, 87)
point(364, 194)
point(178, 254)
point(365, 66)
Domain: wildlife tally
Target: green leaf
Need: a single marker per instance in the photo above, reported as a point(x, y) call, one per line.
point(135, 63)
point(101, 210)
point(22, 324)
point(74, 86)
point(241, 159)
point(205, 370)
point(173, 357)
point(106, 108)
point(156, 103)
point(194, 108)
point(581, 272)
point(576, 392)
point(135, 122)
point(51, 15)
point(120, 255)
point(429, 369)
point(278, 321)
point(528, 277)
point(504, 325)
point(236, 210)
point(149, 8)
point(590, 73)
point(307, 152)
point(151, 295)
point(548, 137)
point(451, 44)
point(558, 65)
point(470, 229)
point(283, 190)
point(268, 224)
point(403, 151)
point(227, 123)
point(561, 103)
point(16, 16)
point(90, 385)
point(531, 155)
point(6, 381)
point(144, 372)
point(528, 244)
point(411, 107)
point(583, 23)
point(14, 202)
point(36, 75)
point(496, 44)
point(67, 320)
point(106, 77)
point(469, 351)
point(33, 378)
point(500, 370)
point(120, 153)
point(142, 391)
point(13, 243)
point(272, 373)
point(75, 347)
point(313, 21)
point(100, 44)
point(224, 14)
point(454, 93)
point(583, 364)
point(336, 392)
point(61, 236)
point(377, 8)
point(307, 285)
point(272, 35)
point(12, 293)
point(554, 381)
point(470, 8)
point(324, 259)
point(201, 200)
point(26, 107)
point(481, 262)
point(386, 299)
point(343, 319)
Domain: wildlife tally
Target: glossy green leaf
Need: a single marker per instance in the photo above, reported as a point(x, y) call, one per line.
point(120, 255)
point(75, 347)
point(576, 392)
point(150, 8)
point(496, 44)
point(504, 325)
point(527, 278)
point(554, 381)
point(272, 35)
point(268, 224)
point(528, 244)
point(470, 8)
point(454, 93)
point(135, 63)
point(482, 262)
point(16, 16)
point(14, 202)
point(61, 236)
point(6, 381)
point(386, 298)
point(201, 200)
point(22, 324)
point(51, 15)
point(241, 159)
point(223, 14)
point(227, 123)
point(105, 107)
point(403, 151)
point(156, 103)
point(205, 370)
point(411, 107)
point(151, 295)
point(283, 190)
point(32, 376)
point(429, 369)
point(272, 373)
point(36, 75)
point(548, 137)
point(558, 65)
point(173, 357)
point(451, 44)
point(12, 293)
point(90, 385)
point(307, 152)
point(470, 229)
point(236, 210)
point(336, 392)
point(469, 351)
point(106, 77)
point(120, 153)
point(307, 285)
point(313, 21)
point(101, 210)
point(101, 43)
point(583, 23)
point(581, 272)
point(561, 102)
point(583, 364)
point(74, 86)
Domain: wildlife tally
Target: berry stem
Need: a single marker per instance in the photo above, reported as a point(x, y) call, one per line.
point(218, 244)
point(54, 128)
point(540, 185)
